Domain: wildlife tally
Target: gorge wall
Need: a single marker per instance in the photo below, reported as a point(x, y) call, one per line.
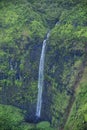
point(23, 27)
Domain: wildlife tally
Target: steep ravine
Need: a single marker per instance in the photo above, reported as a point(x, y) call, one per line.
point(72, 98)
point(23, 26)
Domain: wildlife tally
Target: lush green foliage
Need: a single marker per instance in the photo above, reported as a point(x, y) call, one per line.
point(10, 117)
point(23, 26)
point(78, 117)
point(44, 126)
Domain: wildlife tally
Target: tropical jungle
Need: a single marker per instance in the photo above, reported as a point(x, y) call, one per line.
point(24, 25)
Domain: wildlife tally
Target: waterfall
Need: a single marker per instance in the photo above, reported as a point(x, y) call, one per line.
point(41, 77)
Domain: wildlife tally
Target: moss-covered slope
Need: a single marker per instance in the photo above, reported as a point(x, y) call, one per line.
point(23, 27)
point(77, 119)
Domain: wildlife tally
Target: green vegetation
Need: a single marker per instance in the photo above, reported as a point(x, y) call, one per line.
point(23, 27)
point(77, 119)
point(44, 126)
point(10, 117)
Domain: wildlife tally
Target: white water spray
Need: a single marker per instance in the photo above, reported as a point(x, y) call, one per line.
point(41, 77)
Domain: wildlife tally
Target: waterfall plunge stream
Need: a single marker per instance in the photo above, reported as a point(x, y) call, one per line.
point(41, 77)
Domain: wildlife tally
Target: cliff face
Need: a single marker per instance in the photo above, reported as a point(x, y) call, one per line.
point(23, 27)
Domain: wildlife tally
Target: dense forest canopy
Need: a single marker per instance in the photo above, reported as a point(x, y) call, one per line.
point(24, 25)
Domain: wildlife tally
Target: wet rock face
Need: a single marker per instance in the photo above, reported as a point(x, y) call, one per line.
point(21, 50)
point(59, 71)
point(21, 91)
point(20, 81)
